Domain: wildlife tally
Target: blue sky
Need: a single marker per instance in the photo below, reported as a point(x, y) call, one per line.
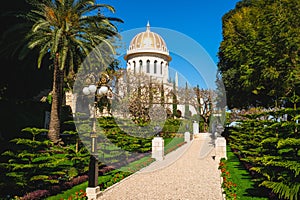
point(201, 20)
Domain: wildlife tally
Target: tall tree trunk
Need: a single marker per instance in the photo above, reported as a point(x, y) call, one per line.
point(206, 124)
point(162, 94)
point(54, 126)
point(174, 100)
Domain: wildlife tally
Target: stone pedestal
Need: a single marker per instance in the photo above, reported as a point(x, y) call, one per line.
point(187, 137)
point(93, 193)
point(220, 148)
point(158, 148)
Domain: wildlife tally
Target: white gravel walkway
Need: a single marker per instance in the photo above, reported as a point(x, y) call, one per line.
point(184, 175)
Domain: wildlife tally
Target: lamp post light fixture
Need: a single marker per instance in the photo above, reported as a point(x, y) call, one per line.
point(99, 90)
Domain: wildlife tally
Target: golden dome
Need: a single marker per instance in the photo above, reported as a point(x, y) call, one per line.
point(148, 42)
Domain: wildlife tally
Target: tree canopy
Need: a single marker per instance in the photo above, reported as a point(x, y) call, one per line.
point(68, 30)
point(259, 54)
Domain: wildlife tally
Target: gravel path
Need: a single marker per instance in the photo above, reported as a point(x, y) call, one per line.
point(184, 175)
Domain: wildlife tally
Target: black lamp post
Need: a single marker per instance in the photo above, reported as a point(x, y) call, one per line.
point(99, 91)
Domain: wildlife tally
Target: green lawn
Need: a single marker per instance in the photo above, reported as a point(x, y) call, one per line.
point(171, 143)
point(240, 176)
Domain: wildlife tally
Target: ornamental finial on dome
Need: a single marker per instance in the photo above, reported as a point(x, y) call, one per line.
point(148, 26)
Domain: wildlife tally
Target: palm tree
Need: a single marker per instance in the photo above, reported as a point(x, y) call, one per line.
point(67, 30)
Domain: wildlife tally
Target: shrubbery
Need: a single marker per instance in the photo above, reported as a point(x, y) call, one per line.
point(36, 164)
point(35, 168)
point(268, 144)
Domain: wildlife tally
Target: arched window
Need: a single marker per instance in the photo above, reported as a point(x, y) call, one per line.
point(155, 66)
point(161, 67)
point(134, 67)
point(148, 66)
point(141, 66)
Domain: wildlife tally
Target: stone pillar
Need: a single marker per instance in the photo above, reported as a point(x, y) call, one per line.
point(93, 193)
point(158, 148)
point(220, 148)
point(187, 137)
point(195, 127)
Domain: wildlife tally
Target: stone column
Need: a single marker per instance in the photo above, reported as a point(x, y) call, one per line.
point(158, 148)
point(195, 127)
point(187, 137)
point(220, 148)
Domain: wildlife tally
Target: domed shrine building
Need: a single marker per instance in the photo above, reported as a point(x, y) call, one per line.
point(148, 54)
point(148, 61)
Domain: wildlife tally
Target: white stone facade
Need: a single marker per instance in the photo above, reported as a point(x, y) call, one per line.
point(150, 64)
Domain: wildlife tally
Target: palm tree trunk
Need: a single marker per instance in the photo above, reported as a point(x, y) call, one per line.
point(54, 126)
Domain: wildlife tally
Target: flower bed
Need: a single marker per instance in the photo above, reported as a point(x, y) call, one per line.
point(229, 187)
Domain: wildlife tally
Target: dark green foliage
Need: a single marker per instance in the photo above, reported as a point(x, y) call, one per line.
point(19, 75)
point(37, 164)
point(269, 145)
point(14, 117)
point(129, 142)
point(171, 125)
point(259, 54)
point(246, 188)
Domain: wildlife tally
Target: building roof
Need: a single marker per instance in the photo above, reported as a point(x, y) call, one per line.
point(147, 42)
